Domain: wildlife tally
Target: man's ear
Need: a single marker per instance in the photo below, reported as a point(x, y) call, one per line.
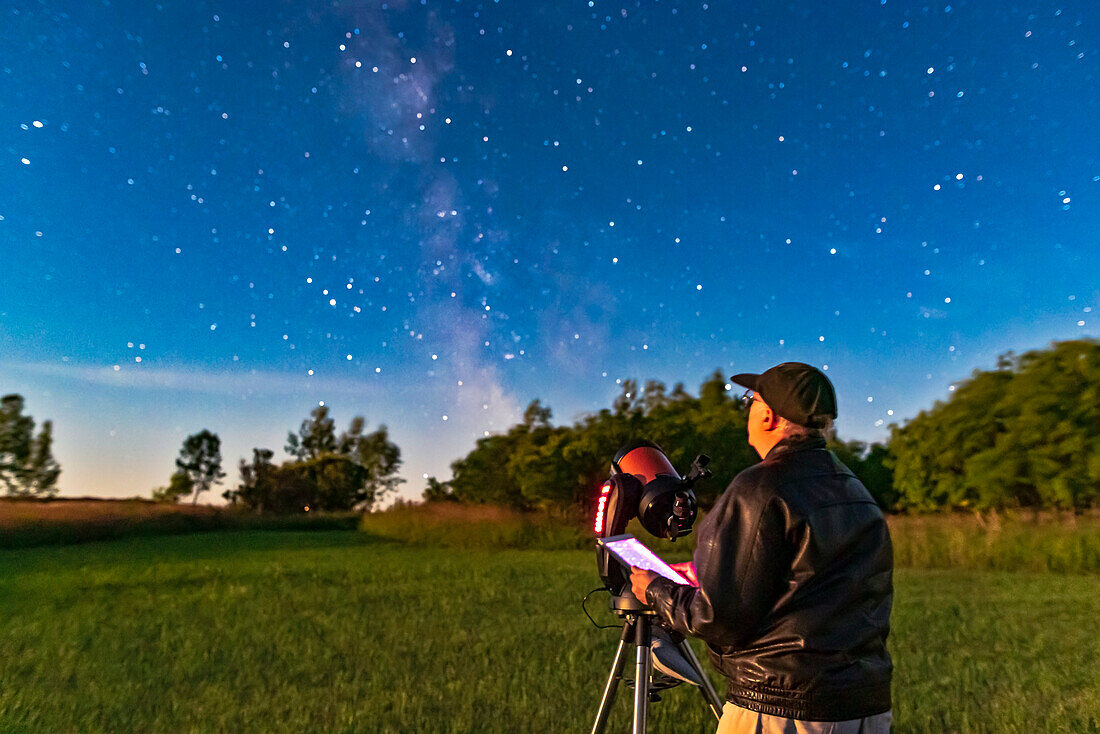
point(769, 420)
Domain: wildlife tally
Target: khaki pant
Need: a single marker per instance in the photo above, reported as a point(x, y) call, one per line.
point(736, 720)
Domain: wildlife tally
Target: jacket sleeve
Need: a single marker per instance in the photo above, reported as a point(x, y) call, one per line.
point(742, 563)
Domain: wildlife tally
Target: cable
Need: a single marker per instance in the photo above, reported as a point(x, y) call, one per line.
point(585, 610)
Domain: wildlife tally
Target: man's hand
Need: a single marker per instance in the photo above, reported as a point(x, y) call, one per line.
point(639, 582)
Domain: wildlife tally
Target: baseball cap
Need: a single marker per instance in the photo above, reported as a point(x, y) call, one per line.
point(798, 392)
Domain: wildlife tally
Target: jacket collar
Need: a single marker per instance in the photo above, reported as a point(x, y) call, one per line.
point(793, 444)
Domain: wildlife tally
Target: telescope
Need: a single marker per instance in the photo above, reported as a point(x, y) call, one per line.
point(644, 484)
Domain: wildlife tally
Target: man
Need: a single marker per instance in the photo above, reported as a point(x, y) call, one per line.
point(794, 565)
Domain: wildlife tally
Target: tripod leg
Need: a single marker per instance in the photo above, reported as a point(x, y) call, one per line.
point(643, 638)
point(613, 679)
point(707, 689)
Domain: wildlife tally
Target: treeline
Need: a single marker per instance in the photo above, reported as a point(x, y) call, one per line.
point(327, 472)
point(1026, 434)
point(535, 465)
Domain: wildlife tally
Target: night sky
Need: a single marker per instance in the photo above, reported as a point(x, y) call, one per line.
point(217, 215)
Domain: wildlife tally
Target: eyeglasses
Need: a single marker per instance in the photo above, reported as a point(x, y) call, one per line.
point(746, 400)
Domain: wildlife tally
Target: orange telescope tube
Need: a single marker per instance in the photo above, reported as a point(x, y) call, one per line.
point(645, 462)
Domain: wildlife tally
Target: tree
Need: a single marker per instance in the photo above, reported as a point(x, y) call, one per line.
point(628, 402)
point(27, 466)
point(354, 470)
point(257, 487)
point(201, 460)
point(437, 491)
point(536, 465)
point(316, 436)
point(379, 457)
point(654, 396)
point(180, 485)
point(327, 483)
point(335, 483)
point(482, 475)
point(536, 416)
point(1025, 434)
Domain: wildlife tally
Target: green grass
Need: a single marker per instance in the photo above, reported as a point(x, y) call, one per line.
point(338, 631)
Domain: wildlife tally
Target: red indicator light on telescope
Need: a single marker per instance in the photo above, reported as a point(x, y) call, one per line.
point(601, 507)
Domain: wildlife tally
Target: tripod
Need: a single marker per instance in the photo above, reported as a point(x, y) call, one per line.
point(638, 627)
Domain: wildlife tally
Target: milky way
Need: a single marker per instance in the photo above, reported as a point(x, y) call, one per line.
point(220, 215)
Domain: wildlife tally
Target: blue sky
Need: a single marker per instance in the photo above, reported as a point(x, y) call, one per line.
point(429, 214)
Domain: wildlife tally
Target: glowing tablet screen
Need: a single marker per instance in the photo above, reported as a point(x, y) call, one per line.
point(632, 552)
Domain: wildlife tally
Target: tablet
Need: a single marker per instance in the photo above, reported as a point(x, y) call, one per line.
point(633, 552)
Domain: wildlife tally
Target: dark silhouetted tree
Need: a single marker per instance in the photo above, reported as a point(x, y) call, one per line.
point(316, 436)
point(629, 401)
point(179, 486)
point(437, 491)
point(536, 416)
point(329, 483)
point(482, 475)
point(654, 397)
point(27, 466)
point(201, 460)
point(257, 485)
point(379, 457)
point(352, 471)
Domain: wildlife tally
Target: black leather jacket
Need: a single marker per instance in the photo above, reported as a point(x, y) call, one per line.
point(795, 585)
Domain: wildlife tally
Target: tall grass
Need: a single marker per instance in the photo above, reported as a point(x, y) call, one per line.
point(451, 525)
point(31, 522)
point(1010, 542)
point(1018, 541)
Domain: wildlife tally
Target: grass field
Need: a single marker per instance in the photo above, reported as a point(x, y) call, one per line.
point(337, 631)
